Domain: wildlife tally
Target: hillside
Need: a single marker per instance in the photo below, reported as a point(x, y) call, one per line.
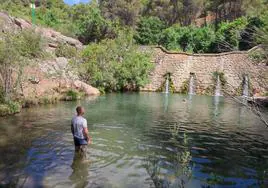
point(47, 78)
point(199, 26)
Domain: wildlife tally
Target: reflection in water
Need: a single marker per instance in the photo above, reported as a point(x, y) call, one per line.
point(139, 140)
point(80, 175)
point(166, 95)
point(175, 171)
point(216, 101)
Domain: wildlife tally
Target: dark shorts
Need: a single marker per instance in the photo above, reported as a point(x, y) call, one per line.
point(80, 142)
point(80, 147)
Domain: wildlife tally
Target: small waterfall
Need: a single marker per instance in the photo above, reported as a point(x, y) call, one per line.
point(167, 84)
point(191, 85)
point(218, 87)
point(245, 87)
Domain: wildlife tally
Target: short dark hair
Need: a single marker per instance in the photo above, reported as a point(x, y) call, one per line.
point(79, 109)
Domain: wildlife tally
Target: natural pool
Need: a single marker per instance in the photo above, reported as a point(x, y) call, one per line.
point(139, 140)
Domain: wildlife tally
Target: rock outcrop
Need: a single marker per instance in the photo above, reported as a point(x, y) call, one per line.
point(52, 76)
point(52, 37)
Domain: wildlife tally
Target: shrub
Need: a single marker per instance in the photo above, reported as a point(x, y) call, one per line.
point(72, 95)
point(228, 35)
point(171, 36)
point(65, 50)
point(116, 64)
point(9, 108)
point(258, 56)
point(30, 44)
point(188, 39)
point(149, 30)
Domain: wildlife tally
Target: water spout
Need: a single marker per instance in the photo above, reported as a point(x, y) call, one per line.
point(167, 84)
point(245, 87)
point(191, 85)
point(218, 87)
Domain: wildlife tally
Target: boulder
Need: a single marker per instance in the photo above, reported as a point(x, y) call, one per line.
point(89, 90)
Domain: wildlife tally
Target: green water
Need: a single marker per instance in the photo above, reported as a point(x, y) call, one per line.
point(139, 140)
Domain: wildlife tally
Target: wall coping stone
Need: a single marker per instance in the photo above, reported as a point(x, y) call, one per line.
point(163, 49)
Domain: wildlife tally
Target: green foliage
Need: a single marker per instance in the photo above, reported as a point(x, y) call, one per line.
point(65, 50)
point(9, 108)
point(14, 49)
point(171, 88)
point(236, 28)
point(30, 44)
point(116, 64)
point(228, 35)
point(92, 27)
point(248, 35)
point(188, 39)
point(258, 56)
point(72, 95)
point(149, 30)
point(222, 78)
point(185, 87)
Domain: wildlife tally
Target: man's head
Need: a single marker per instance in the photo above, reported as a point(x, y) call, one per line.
point(80, 111)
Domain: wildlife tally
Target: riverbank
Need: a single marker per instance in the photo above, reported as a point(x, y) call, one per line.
point(14, 107)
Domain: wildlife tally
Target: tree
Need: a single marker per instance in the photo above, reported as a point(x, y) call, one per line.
point(115, 64)
point(228, 35)
point(126, 12)
point(91, 26)
point(149, 30)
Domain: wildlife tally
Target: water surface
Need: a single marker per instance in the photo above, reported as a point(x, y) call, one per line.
point(139, 140)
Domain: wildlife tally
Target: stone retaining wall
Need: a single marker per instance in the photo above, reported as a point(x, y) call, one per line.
point(233, 65)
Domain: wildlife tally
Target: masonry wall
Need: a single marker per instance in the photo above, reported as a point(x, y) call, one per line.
point(234, 65)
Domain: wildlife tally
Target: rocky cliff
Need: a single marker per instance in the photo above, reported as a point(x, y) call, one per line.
point(52, 76)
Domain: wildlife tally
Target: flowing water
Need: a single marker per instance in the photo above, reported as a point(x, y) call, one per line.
point(167, 85)
point(245, 87)
point(191, 85)
point(139, 140)
point(218, 87)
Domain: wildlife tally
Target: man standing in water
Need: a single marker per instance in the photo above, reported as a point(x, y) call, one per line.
point(80, 132)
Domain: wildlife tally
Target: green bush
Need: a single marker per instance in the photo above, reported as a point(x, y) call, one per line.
point(172, 36)
point(228, 35)
point(258, 56)
point(30, 44)
point(65, 50)
point(91, 25)
point(149, 30)
point(188, 39)
point(9, 108)
point(116, 65)
point(72, 95)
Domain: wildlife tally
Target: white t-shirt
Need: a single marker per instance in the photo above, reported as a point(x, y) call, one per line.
point(78, 123)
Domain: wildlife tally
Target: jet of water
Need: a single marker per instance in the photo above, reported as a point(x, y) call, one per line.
point(167, 84)
point(218, 87)
point(246, 87)
point(191, 85)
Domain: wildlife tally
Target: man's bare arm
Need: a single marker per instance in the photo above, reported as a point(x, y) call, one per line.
point(72, 128)
point(85, 132)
